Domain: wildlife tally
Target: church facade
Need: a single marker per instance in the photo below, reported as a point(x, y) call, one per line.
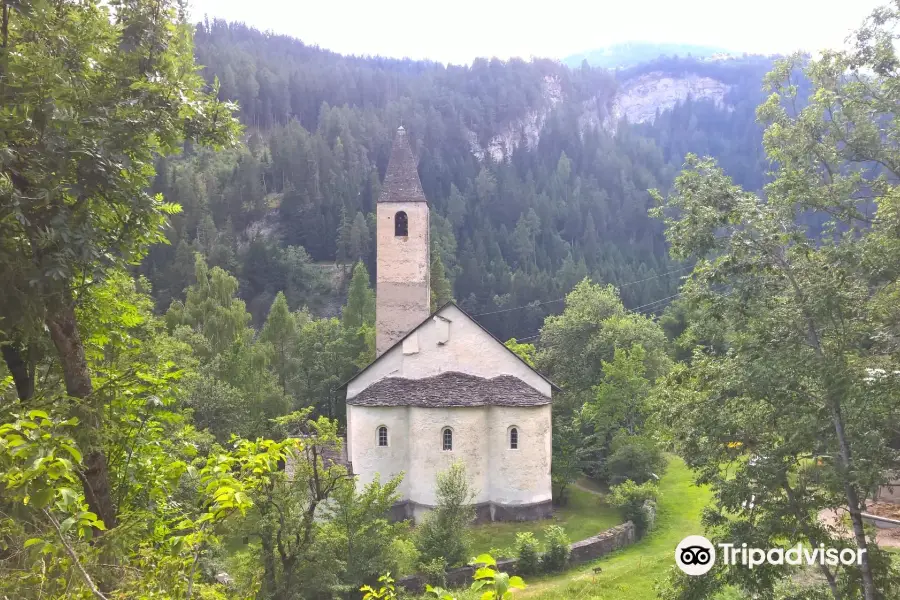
point(442, 388)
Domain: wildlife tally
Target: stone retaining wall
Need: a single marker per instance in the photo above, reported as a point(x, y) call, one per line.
point(584, 551)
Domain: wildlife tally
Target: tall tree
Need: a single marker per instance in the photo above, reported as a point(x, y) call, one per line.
point(441, 289)
point(805, 320)
point(360, 309)
point(280, 332)
point(90, 96)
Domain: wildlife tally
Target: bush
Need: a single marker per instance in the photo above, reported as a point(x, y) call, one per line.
point(444, 531)
point(637, 501)
point(404, 556)
point(634, 457)
point(556, 556)
point(434, 572)
point(527, 553)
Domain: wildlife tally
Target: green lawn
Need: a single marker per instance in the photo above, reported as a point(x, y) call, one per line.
point(584, 515)
point(632, 572)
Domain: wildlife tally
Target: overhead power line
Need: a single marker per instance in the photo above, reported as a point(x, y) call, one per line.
point(534, 305)
point(633, 310)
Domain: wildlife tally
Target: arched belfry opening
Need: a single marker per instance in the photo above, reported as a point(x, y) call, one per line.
point(401, 224)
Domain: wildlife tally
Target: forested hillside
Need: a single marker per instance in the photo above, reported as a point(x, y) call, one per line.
point(529, 188)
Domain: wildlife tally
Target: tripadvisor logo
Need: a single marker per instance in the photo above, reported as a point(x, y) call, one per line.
point(696, 555)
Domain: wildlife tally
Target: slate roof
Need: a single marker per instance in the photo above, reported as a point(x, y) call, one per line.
point(401, 181)
point(450, 388)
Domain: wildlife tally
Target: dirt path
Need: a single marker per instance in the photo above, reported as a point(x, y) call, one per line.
point(585, 488)
point(886, 538)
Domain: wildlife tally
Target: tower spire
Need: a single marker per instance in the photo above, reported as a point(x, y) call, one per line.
point(403, 286)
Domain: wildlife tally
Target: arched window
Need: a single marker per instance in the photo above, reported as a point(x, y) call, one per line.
point(382, 436)
point(513, 438)
point(447, 437)
point(401, 224)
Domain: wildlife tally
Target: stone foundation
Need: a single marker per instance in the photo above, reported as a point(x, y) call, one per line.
point(485, 512)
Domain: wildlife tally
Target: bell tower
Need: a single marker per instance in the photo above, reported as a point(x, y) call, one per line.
point(403, 287)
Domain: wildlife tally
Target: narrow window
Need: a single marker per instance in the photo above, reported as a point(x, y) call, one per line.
point(382, 436)
point(448, 439)
point(401, 225)
point(514, 439)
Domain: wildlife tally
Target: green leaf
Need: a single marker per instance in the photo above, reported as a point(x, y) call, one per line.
point(74, 452)
point(484, 559)
point(67, 524)
point(31, 542)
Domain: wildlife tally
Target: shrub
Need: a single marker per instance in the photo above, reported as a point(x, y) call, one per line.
point(434, 572)
point(637, 501)
point(444, 531)
point(634, 457)
point(557, 554)
point(404, 556)
point(527, 553)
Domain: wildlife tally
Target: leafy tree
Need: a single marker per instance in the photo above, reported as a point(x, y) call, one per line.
point(212, 310)
point(621, 398)
point(76, 170)
point(567, 460)
point(442, 535)
point(287, 514)
point(359, 532)
point(593, 325)
point(799, 386)
point(524, 351)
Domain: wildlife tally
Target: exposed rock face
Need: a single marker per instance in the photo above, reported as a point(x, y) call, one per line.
point(527, 129)
point(638, 99)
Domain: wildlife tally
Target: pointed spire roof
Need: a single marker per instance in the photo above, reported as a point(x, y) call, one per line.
point(401, 181)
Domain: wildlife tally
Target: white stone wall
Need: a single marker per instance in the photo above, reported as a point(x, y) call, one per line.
point(469, 349)
point(480, 439)
point(520, 476)
point(363, 451)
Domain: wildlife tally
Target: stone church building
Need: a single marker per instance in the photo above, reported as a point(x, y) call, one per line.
point(442, 388)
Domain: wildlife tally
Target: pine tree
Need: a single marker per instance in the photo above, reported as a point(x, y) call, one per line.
point(280, 331)
point(441, 289)
point(360, 309)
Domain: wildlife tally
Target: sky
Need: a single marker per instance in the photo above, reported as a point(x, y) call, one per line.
point(461, 30)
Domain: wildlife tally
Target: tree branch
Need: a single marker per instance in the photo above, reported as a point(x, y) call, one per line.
point(84, 574)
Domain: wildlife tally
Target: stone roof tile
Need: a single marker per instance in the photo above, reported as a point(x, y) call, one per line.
point(448, 389)
point(401, 181)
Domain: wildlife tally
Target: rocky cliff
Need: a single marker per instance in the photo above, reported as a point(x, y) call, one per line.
point(637, 100)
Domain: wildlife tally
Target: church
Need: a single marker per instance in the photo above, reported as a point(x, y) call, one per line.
point(442, 388)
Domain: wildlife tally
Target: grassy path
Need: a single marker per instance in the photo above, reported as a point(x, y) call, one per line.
point(633, 572)
point(582, 517)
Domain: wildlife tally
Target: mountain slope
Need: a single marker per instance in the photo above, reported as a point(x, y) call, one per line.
point(533, 180)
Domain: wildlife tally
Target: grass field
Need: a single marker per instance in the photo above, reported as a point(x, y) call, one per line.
point(632, 572)
point(583, 516)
